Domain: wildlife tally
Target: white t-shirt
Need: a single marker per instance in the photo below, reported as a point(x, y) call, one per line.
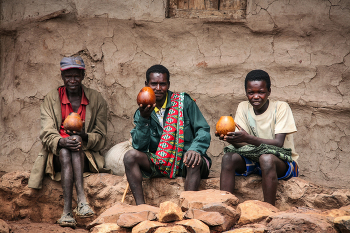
point(277, 118)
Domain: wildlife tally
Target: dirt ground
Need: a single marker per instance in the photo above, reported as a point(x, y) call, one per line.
point(24, 226)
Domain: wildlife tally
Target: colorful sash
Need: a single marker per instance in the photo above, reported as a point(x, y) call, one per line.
point(170, 148)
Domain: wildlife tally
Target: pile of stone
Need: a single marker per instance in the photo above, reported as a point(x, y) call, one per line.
point(218, 211)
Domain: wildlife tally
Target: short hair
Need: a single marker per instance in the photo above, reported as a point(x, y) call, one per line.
point(82, 72)
point(258, 75)
point(157, 69)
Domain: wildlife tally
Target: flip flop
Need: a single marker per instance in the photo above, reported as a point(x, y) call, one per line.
point(83, 210)
point(67, 220)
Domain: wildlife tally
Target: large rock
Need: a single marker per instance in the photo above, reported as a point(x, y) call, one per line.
point(112, 215)
point(230, 215)
point(147, 226)
point(169, 212)
point(4, 227)
point(198, 199)
point(298, 222)
point(194, 225)
point(209, 218)
point(171, 229)
point(109, 228)
point(255, 211)
point(131, 219)
point(343, 224)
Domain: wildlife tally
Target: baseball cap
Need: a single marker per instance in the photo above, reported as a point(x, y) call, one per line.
point(72, 62)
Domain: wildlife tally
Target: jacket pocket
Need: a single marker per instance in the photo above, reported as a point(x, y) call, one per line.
point(188, 131)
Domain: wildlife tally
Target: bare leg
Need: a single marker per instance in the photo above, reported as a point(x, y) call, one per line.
point(193, 177)
point(229, 165)
point(66, 179)
point(134, 161)
point(78, 170)
point(271, 168)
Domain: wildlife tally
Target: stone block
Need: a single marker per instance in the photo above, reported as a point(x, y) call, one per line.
point(113, 214)
point(169, 212)
point(198, 199)
point(4, 227)
point(298, 222)
point(109, 228)
point(147, 226)
point(230, 215)
point(171, 229)
point(209, 218)
point(343, 223)
point(194, 225)
point(132, 219)
point(254, 211)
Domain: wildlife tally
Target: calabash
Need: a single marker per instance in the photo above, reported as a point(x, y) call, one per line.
point(146, 97)
point(225, 124)
point(73, 122)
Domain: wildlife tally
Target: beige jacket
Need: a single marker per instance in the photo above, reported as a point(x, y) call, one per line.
point(51, 119)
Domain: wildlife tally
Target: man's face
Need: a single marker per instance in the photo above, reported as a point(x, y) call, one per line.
point(160, 85)
point(72, 79)
point(257, 93)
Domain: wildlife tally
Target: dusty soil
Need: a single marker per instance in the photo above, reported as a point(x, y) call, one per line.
point(24, 226)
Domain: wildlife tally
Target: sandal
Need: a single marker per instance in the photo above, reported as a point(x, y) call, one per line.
point(67, 220)
point(83, 210)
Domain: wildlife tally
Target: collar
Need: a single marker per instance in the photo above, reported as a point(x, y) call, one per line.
point(65, 100)
point(164, 105)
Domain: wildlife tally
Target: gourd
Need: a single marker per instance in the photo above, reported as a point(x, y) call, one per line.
point(146, 97)
point(73, 122)
point(225, 124)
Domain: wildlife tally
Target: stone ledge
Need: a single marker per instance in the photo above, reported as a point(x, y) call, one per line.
point(104, 190)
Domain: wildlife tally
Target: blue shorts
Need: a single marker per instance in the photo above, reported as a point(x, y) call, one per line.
point(254, 168)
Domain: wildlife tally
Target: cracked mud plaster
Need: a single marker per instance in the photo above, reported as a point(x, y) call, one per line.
point(304, 47)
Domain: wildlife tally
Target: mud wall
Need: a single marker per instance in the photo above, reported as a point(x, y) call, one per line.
point(303, 45)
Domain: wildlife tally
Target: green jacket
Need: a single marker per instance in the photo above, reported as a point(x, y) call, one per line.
point(147, 132)
point(51, 119)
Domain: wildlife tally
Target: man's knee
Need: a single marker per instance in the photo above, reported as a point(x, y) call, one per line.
point(131, 157)
point(65, 157)
point(267, 162)
point(231, 161)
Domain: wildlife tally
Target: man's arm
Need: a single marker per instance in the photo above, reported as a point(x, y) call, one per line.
point(49, 134)
point(97, 136)
point(200, 128)
point(241, 137)
point(141, 133)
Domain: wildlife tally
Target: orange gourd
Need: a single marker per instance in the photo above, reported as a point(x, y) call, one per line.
point(225, 124)
point(146, 97)
point(73, 122)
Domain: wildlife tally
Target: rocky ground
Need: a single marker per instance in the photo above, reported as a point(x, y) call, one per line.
point(301, 207)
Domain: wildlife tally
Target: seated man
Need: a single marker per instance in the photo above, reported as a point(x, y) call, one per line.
point(71, 153)
point(170, 138)
point(264, 143)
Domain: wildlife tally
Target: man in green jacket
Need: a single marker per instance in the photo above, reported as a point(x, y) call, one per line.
point(170, 138)
point(65, 155)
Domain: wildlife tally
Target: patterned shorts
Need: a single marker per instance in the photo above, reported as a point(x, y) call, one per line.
point(155, 172)
point(254, 168)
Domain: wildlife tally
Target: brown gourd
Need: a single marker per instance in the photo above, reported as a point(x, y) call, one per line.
point(225, 124)
point(73, 122)
point(146, 97)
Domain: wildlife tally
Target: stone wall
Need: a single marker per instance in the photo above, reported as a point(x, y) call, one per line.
point(303, 45)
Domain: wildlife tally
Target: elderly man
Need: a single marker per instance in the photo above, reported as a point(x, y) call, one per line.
point(170, 138)
point(66, 155)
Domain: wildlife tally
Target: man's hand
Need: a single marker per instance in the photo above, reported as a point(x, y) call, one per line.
point(70, 143)
point(146, 111)
point(82, 133)
point(192, 158)
point(240, 136)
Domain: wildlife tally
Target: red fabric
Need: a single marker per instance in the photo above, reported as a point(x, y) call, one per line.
point(66, 107)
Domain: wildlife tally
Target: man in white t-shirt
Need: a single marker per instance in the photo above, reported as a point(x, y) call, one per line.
point(263, 143)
